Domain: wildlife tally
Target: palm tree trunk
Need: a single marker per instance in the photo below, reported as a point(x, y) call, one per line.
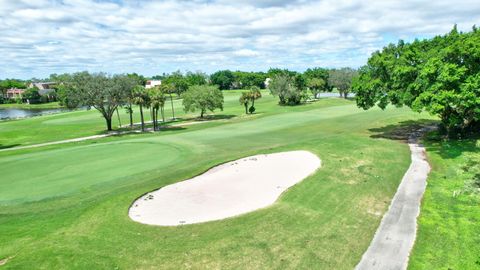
point(173, 111)
point(163, 114)
point(141, 117)
point(130, 111)
point(156, 118)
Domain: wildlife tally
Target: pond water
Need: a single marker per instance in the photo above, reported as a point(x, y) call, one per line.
point(14, 113)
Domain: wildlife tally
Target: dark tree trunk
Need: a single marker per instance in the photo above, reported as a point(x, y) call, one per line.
point(141, 118)
point(130, 111)
point(201, 113)
point(154, 119)
point(109, 123)
point(173, 111)
point(246, 108)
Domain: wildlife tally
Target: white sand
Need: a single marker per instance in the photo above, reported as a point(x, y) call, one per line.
point(227, 190)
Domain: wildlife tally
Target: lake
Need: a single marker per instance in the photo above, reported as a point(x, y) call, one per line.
point(14, 113)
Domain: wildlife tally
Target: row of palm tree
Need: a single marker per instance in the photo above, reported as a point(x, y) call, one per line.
point(153, 99)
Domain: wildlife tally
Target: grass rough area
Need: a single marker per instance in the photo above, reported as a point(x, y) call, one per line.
point(449, 224)
point(65, 206)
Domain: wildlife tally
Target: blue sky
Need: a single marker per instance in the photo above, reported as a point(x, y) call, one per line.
point(40, 37)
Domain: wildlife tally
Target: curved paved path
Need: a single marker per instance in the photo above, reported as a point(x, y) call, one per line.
point(394, 239)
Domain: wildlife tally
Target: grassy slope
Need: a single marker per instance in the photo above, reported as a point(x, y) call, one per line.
point(449, 226)
point(51, 105)
point(66, 206)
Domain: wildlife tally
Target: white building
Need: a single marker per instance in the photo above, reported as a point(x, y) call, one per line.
point(267, 82)
point(152, 83)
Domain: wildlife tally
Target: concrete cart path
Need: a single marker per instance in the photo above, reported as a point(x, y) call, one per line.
point(394, 239)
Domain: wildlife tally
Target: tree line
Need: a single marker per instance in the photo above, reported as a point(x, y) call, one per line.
point(440, 75)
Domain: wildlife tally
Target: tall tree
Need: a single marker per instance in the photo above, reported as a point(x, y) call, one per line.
point(104, 93)
point(141, 98)
point(203, 98)
point(316, 85)
point(439, 75)
point(342, 80)
point(245, 100)
point(169, 89)
point(254, 95)
point(157, 102)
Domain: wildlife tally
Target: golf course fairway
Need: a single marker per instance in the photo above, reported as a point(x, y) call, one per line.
point(66, 206)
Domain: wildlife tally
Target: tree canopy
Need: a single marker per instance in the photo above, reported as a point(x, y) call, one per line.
point(104, 93)
point(440, 75)
point(223, 78)
point(202, 98)
point(289, 89)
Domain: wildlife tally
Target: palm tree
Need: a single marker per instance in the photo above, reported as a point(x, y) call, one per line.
point(170, 89)
point(140, 98)
point(254, 95)
point(157, 101)
point(245, 100)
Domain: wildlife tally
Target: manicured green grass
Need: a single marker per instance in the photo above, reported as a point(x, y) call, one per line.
point(65, 206)
point(449, 224)
point(86, 123)
point(50, 105)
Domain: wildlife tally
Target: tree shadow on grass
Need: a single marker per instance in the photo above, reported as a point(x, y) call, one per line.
point(434, 141)
point(8, 146)
point(400, 131)
point(214, 117)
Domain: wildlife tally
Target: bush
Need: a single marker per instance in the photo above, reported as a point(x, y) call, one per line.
point(290, 90)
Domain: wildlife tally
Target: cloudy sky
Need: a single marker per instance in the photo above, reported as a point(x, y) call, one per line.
point(39, 37)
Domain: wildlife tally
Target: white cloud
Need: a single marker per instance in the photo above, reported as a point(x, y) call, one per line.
point(39, 37)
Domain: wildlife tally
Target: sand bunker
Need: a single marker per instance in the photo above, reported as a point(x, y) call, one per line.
point(224, 191)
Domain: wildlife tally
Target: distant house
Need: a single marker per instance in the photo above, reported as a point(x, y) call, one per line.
point(44, 88)
point(152, 83)
point(14, 93)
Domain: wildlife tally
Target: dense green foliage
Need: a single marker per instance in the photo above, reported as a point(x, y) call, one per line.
point(245, 80)
point(289, 89)
point(223, 79)
point(31, 95)
point(178, 81)
point(104, 93)
point(202, 98)
point(317, 80)
point(10, 83)
point(440, 75)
